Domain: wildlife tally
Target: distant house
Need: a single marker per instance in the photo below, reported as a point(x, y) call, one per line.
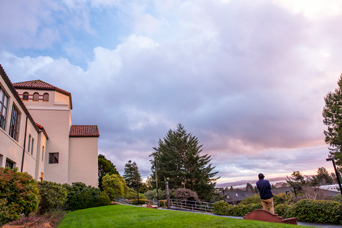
point(37, 135)
point(235, 196)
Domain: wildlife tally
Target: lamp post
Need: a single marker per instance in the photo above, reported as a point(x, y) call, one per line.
point(337, 173)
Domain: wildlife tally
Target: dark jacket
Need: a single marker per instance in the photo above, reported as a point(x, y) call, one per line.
point(264, 188)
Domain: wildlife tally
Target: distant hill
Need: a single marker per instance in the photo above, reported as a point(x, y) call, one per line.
point(244, 182)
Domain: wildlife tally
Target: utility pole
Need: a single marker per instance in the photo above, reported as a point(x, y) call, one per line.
point(337, 173)
point(167, 194)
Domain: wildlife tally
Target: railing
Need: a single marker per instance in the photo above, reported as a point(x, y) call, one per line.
point(122, 200)
point(192, 205)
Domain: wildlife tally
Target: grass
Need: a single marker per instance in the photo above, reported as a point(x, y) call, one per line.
point(130, 216)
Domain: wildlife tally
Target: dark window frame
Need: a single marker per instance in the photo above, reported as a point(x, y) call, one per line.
point(15, 123)
point(35, 96)
point(32, 146)
point(9, 163)
point(25, 96)
point(3, 108)
point(45, 97)
point(54, 158)
point(29, 144)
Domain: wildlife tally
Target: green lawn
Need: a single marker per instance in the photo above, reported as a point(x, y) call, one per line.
point(130, 216)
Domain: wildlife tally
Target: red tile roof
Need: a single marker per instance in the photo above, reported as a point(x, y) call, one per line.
point(38, 84)
point(84, 131)
point(41, 85)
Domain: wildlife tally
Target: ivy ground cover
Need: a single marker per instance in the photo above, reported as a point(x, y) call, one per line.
point(131, 216)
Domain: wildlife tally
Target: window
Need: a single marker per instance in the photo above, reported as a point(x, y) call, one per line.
point(53, 158)
point(36, 96)
point(25, 96)
point(46, 97)
point(32, 146)
point(9, 163)
point(14, 124)
point(29, 142)
point(3, 108)
point(43, 152)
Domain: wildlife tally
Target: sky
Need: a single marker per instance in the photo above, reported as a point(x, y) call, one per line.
point(248, 78)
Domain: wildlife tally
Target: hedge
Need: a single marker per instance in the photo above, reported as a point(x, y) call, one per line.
point(53, 196)
point(320, 211)
point(223, 208)
point(306, 210)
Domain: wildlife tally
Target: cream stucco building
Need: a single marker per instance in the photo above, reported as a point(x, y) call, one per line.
point(37, 135)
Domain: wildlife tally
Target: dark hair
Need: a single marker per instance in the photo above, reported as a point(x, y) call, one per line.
point(261, 176)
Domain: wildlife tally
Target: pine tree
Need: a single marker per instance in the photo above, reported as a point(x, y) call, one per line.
point(179, 162)
point(132, 175)
point(332, 114)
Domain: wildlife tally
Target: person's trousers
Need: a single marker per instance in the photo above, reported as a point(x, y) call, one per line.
point(268, 203)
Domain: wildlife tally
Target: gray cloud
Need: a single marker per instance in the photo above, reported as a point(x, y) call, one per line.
point(247, 78)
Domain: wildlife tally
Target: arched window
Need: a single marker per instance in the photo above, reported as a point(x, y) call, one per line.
point(25, 96)
point(46, 97)
point(36, 96)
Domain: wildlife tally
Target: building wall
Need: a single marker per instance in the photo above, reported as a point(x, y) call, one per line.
point(83, 166)
point(55, 117)
point(12, 149)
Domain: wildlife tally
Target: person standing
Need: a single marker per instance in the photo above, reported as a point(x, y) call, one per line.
point(266, 195)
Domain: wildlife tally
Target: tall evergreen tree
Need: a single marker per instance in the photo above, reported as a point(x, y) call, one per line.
point(132, 175)
point(179, 161)
point(332, 114)
point(105, 166)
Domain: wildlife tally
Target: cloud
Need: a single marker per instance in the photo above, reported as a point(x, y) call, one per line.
point(247, 78)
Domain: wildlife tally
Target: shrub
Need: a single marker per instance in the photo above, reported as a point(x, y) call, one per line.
point(53, 196)
point(81, 196)
point(151, 194)
point(338, 198)
point(282, 210)
point(162, 203)
point(141, 201)
point(114, 186)
point(19, 194)
point(283, 198)
point(132, 194)
point(251, 199)
point(223, 208)
point(318, 211)
point(103, 200)
point(186, 194)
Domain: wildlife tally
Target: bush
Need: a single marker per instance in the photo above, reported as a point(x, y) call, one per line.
point(141, 201)
point(114, 186)
point(132, 194)
point(251, 199)
point(151, 194)
point(282, 210)
point(186, 194)
point(318, 211)
point(19, 194)
point(223, 208)
point(53, 196)
point(283, 198)
point(103, 200)
point(81, 196)
point(338, 198)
